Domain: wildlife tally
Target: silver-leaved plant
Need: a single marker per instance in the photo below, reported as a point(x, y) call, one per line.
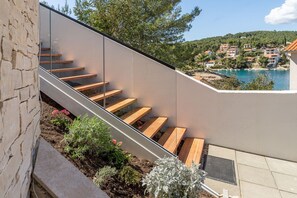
point(171, 178)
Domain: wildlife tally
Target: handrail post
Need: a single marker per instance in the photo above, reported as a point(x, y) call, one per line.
point(103, 78)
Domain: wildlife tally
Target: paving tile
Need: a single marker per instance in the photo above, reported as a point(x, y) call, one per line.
point(256, 176)
point(249, 190)
point(287, 195)
point(219, 186)
point(221, 152)
point(251, 160)
point(286, 182)
point(281, 166)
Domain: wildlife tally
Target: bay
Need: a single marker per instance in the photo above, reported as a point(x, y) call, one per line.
point(281, 78)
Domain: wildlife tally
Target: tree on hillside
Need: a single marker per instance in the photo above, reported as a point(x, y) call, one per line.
point(155, 27)
point(202, 58)
point(263, 61)
point(241, 62)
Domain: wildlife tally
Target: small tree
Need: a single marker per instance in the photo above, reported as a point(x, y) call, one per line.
point(263, 61)
point(262, 82)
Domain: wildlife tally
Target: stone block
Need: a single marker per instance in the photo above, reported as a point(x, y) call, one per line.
point(27, 78)
point(33, 103)
point(9, 173)
point(6, 81)
point(33, 90)
point(26, 118)
point(17, 77)
point(11, 121)
point(24, 93)
point(17, 60)
point(26, 184)
point(26, 63)
point(35, 62)
point(4, 11)
point(7, 46)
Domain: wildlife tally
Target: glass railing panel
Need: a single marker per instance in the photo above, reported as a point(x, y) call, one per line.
point(72, 53)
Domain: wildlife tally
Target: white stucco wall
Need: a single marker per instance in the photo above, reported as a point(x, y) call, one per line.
point(19, 94)
point(293, 71)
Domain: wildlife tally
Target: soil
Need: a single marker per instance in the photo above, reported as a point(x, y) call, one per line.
point(89, 166)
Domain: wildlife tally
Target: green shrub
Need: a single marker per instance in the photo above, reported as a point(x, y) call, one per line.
point(129, 175)
point(262, 82)
point(88, 135)
point(116, 156)
point(60, 118)
point(171, 178)
point(103, 175)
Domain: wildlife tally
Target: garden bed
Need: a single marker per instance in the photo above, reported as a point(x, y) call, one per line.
point(114, 186)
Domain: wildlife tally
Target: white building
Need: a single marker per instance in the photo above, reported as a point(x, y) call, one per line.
point(273, 55)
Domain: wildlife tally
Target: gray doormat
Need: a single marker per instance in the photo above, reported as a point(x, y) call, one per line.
point(220, 169)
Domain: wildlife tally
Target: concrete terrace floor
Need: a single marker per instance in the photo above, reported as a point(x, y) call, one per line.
point(257, 176)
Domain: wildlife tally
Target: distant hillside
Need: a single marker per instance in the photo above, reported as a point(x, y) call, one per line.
point(257, 39)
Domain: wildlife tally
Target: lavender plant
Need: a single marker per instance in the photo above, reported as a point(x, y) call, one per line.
point(171, 178)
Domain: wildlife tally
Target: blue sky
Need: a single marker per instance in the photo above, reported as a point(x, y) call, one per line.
point(220, 17)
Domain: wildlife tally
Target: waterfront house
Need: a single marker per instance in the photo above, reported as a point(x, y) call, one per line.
point(224, 48)
point(273, 55)
point(210, 63)
point(247, 46)
point(232, 52)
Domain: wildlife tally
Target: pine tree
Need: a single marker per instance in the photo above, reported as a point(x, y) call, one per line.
point(155, 27)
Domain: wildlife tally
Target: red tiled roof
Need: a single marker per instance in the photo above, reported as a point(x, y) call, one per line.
point(292, 46)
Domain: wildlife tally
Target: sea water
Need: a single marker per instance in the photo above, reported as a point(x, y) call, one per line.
point(281, 78)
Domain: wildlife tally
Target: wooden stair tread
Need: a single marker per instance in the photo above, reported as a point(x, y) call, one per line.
point(89, 86)
point(56, 62)
point(172, 138)
point(69, 78)
point(107, 94)
point(151, 127)
point(45, 49)
point(191, 151)
point(120, 104)
point(50, 55)
point(66, 69)
point(134, 115)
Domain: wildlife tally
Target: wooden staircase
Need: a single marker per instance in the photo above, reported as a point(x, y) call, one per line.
point(188, 149)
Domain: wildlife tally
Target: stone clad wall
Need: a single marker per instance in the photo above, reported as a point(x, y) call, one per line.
point(19, 94)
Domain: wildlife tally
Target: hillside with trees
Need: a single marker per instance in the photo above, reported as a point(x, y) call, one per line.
point(257, 40)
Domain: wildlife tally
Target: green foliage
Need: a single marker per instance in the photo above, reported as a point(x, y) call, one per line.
point(103, 175)
point(171, 178)
point(262, 82)
point(257, 39)
point(64, 9)
point(87, 135)
point(231, 83)
point(60, 119)
point(117, 157)
point(155, 27)
point(129, 175)
point(263, 61)
point(241, 63)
